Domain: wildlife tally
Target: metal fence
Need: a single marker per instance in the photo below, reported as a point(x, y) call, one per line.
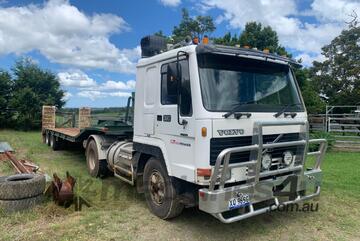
point(343, 122)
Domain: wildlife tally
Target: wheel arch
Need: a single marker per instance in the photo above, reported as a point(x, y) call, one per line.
point(145, 151)
point(99, 139)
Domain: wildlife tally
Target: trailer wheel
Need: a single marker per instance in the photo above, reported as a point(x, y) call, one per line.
point(96, 167)
point(47, 138)
point(55, 144)
point(160, 193)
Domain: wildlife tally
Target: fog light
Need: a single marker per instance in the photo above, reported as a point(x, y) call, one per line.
point(266, 161)
point(288, 158)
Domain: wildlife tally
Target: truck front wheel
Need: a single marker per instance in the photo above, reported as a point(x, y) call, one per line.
point(96, 167)
point(160, 193)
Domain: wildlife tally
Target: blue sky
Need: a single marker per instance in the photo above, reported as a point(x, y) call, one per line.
point(93, 45)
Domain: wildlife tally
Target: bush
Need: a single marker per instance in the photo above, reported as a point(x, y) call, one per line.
point(321, 135)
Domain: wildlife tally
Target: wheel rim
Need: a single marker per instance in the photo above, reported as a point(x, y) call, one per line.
point(47, 139)
point(91, 159)
point(157, 187)
point(52, 141)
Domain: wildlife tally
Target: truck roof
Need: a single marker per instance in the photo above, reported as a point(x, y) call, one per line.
point(220, 49)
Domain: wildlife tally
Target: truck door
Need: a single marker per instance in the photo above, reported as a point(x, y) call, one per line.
point(175, 124)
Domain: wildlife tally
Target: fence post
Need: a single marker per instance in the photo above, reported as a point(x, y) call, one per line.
point(73, 120)
point(84, 117)
point(48, 117)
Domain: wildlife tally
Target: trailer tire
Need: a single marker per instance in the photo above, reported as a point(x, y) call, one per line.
point(96, 167)
point(156, 178)
point(54, 143)
point(20, 204)
point(47, 138)
point(21, 186)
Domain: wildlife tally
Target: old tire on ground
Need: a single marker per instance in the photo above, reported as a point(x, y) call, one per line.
point(160, 193)
point(96, 167)
point(20, 204)
point(55, 143)
point(21, 186)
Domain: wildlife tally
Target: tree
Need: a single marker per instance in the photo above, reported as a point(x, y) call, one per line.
point(5, 95)
point(338, 77)
point(193, 27)
point(33, 88)
point(228, 40)
point(255, 36)
point(313, 102)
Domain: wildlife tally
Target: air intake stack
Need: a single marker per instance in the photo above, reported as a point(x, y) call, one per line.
point(152, 45)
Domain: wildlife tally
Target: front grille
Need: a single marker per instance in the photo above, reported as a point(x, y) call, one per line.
point(219, 144)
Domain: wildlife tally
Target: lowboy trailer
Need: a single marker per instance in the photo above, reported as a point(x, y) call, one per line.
point(221, 128)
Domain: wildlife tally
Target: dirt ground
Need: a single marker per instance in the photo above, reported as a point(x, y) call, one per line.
point(118, 213)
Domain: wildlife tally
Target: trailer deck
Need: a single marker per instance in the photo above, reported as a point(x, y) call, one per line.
point(73, 132)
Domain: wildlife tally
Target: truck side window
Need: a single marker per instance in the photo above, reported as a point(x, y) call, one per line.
point(169, 87)
point(168, 84)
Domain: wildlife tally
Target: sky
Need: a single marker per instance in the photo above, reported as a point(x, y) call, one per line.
point(93, 45)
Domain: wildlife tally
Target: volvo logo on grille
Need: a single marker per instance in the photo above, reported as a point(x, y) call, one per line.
point(231, 132)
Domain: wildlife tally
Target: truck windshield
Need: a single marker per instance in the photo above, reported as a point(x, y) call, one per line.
point(229, 82)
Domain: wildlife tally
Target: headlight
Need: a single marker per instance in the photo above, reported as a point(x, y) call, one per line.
point(288, 158)
point(266, 161)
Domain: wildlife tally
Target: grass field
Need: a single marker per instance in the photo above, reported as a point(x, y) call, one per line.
point(122, 214)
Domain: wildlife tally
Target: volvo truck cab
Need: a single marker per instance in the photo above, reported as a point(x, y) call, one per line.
point(221, 128)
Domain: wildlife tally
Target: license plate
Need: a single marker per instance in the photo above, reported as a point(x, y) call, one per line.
point(242, 200)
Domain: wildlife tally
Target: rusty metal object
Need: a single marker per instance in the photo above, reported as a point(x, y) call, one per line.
point(63, 191)
point(20, 166)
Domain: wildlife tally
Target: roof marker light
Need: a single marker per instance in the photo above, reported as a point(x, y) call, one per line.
point(205, 40)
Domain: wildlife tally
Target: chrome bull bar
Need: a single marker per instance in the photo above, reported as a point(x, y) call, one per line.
point(218, 177)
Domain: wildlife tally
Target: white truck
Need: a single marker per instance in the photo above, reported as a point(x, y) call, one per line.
point(221, 128)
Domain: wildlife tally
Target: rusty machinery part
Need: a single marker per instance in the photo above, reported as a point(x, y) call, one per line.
point(21, 186)
point(20, 166)
point(63, 191)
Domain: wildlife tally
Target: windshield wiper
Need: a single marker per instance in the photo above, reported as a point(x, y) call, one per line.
point(284, 109)
point(237, 106)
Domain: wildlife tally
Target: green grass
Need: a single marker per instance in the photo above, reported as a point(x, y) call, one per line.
point(123, 215)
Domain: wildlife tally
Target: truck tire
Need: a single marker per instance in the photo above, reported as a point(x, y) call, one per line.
point(96, 167)
point(43, 138)
point(54, 143)
point(47, 138)
point(20, 204)
point(160, 193)
point(21, 186)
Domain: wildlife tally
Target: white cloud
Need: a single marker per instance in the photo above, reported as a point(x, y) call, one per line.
point(65, 35)
point(284, 17)
point(334, 10)
point(171, 3)
point(95, 94)
point(117, 85)
point(307, 59)
point(76, 79)
point(87, 87)
point(67, 96)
